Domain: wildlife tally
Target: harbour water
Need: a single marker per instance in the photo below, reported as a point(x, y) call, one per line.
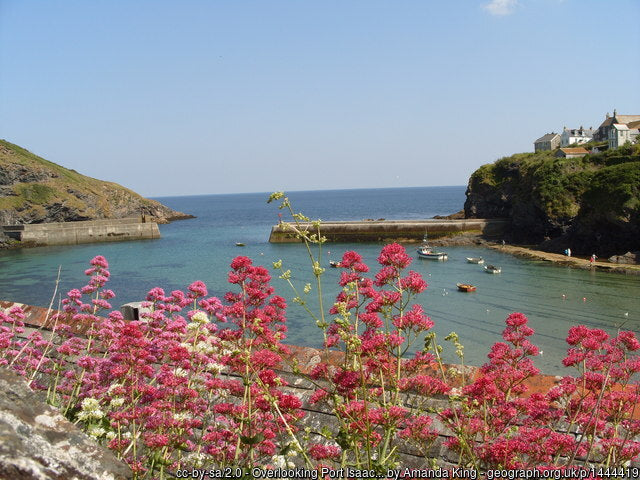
point(553, 297)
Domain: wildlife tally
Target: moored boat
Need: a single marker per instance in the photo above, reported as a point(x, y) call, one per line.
point(492, 269)
point(466, 287)
point(334, 264)
point(478, 260)
point(426, 251)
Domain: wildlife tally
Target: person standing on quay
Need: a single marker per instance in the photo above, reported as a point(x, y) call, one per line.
point(592, 259)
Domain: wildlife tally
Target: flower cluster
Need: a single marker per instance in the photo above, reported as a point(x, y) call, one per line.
point(197, 380)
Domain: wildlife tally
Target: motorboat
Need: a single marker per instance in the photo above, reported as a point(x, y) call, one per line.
point(492, 269)
point(477, 260)
point(426, 251)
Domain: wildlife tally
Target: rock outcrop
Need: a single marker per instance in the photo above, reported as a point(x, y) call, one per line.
point(589, 204)
point(34, 190)
point(38, 443)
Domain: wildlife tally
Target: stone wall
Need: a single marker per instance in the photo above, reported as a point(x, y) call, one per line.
point(394, 230)
point(73, 233)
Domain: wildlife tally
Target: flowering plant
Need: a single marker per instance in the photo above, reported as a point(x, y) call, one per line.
point(198, 381)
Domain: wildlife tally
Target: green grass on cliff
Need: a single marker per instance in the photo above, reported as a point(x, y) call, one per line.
point(42, 184)
point(558, 185)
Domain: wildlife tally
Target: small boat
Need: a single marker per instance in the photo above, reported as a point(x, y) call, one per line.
point(334, 264)
point(426, 251)
point(492, 269)
point(239, 244)
point(465, 287)
point(478, 260)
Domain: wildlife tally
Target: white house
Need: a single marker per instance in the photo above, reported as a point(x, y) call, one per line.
point(620, 133)
point(571, 136)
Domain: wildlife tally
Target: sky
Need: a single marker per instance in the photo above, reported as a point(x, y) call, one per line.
point(199, 97)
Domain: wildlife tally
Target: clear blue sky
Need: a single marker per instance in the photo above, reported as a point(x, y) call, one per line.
point(191, 97)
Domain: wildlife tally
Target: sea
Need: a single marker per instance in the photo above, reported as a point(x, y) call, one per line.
point(553, 297)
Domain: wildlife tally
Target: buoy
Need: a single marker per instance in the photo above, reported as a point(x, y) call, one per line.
point(564, 297)
point(626, 314)
point(541, 352)
point(584, 299)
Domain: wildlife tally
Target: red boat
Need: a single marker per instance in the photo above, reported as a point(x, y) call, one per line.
point(465, 287)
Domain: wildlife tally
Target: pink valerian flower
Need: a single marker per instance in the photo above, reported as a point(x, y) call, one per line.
point(198, 289)
point(394, 255)
point(324, 452)
point(418, 429)
point(414, 319)
point(353, 261)
point(346, 382)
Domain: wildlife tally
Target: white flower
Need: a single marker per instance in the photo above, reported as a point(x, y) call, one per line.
point(195, 459)
point(193, 326)
point(180, 372)
point(117, 402)
point(96, 432)
point(279, 461)
point(182, 416)
point(90, 409)
point(90, 404)
point(113, 387)
point(200, 317)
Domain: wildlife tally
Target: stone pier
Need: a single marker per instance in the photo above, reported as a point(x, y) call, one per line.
point(394, 230)
point(72, 233)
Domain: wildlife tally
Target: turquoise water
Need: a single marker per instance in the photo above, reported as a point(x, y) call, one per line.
point(202, 248)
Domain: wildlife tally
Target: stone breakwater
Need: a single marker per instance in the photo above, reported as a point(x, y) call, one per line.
point(73, 233)
point(392, 230)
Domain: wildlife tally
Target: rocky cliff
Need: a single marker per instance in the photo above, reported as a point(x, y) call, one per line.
point(34, 190)
point(590, 204)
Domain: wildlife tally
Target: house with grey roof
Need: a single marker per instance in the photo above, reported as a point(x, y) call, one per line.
point(602, 134)
point(576, 136)
point(550, 141)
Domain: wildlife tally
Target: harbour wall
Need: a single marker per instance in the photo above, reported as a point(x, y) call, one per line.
point(392, 230)
point(91, 231)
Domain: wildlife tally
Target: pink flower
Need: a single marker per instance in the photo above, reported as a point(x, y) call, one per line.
point(198, 288)
point(395, 255)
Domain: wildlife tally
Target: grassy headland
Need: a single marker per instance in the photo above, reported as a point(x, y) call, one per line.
point(589, 204)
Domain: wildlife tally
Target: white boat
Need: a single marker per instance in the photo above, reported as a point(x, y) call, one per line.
point(478, 260)
point(426, 251)
point(492, 269)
